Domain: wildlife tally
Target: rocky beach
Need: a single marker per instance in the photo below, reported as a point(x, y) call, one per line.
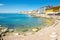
point(48, 33)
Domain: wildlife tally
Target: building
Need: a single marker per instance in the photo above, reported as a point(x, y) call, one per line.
point(53, 10)
point(42, 9)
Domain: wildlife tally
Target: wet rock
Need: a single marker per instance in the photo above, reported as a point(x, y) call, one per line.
point(11, 30)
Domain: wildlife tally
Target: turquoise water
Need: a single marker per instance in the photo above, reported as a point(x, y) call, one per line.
point(20, 21)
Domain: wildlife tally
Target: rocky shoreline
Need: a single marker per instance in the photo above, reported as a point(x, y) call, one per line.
point(35, 33)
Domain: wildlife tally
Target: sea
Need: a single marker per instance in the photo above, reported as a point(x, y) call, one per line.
point(21, 22)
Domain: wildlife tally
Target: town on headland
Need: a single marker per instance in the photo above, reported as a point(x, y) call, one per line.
point(45, 11)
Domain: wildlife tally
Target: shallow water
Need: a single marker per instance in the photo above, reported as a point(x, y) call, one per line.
point(21, 21)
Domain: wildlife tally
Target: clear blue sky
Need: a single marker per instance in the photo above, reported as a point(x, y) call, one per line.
point(21, 5)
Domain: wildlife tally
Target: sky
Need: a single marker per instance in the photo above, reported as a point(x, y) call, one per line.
point(14, 6)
